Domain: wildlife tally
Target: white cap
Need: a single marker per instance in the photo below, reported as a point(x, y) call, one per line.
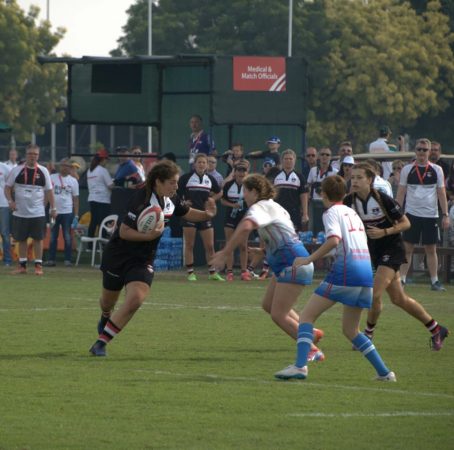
point(348, 160)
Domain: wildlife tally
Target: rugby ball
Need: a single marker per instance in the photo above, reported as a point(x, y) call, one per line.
point(150, 218)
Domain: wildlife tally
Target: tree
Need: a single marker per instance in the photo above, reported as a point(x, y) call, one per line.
point(370, 62)
point(29, 92)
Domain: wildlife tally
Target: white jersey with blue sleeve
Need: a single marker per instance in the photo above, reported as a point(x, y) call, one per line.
point(352, 265)
point(276, 230)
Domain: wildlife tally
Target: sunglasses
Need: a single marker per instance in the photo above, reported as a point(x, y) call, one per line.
point(240, 169)
point(422, 149)
point(325, 154)
point(347, 165)
point(212, 162)
point(311, 156)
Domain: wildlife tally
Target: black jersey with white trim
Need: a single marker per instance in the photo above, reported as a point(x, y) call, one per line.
point(144, 251)
point(233, 192)
point(372, 215)
point(197, 188)
point(290, 186)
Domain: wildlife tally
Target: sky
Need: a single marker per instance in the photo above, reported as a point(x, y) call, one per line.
point(92, 26)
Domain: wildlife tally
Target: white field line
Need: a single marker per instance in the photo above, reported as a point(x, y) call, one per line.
point(302, 385)
point(385, 414)
point(160, 306)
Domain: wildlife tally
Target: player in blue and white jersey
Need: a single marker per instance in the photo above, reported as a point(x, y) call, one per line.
point(282, 246)
point(349, 282)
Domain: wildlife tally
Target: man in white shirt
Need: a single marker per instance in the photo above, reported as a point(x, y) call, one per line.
point(66, 192)
point(32, 189)
point(345, 149)
point(422, 187)
point(4, 216)
point(381, 145)
point(12, 161)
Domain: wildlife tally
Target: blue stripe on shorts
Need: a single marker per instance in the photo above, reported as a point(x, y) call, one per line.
point(356, 296)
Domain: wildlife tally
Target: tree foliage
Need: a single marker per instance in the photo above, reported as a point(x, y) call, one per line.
point(371, 62)
point(29, 92)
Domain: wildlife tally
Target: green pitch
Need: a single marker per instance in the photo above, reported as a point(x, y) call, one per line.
point(194, 370)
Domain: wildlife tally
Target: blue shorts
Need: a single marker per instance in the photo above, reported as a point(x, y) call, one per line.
point(302, 275)
point(355, 296)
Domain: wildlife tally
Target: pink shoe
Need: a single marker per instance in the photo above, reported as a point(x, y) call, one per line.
point(229, 276)
point(246, 276)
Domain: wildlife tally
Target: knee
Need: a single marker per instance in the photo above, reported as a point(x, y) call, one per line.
point(399, 299)
point(134, 303)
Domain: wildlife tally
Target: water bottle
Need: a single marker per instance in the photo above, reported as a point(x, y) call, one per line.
point(321, 237)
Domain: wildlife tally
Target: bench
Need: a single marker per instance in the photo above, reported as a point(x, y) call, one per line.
point(445, 255)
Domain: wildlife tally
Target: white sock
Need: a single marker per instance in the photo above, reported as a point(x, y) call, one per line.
point(403, 278)
point(433, 279)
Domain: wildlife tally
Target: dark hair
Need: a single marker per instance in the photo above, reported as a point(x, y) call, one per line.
point(197, 116)
point(162, 171)
point(375, 165)
point(95, 162)
point(261, 185)
point(170, 156)
point(370, 172)
point(334, 188)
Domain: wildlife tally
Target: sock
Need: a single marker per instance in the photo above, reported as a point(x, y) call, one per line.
point(433, 326)
point(433, 279)
point(231, 271)
point(23, 262)
point(190, 268)
point(403, 278)
point(212, 270)
point(365, 346)
point(369, 330)
point(266, 266)
point(38, 262)
point(109, 332)
point(303, 343)
point(250, 268)
point(105, 316)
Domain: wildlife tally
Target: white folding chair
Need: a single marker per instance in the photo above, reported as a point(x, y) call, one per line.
point(107, 227)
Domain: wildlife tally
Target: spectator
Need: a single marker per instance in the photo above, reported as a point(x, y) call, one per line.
point(66, 192)
point(381, 145)
point(422, 187)
point(394, 179)
point(127, 174)
point(345, 171)
point(137, 160)
point(345, 149)
point(32, 190)
point(435, 158)
point(100, 184)
point(230, 157)
point(195, 188)
point(212, 163)
point(12, 161)
point(199, 141)
point(380, 184)
point(271, 154)
point(292, 190)
point(309, 161)
point(316, 176)
point(5, 216)
point(75, 167)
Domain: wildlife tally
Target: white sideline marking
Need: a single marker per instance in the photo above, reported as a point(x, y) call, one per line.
point(306, 384)
point(390, 414)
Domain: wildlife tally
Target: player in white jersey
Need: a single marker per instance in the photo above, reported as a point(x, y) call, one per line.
point(349, 282)
point(4, 216)
point(282, 246)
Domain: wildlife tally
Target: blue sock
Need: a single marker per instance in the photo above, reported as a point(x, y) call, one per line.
point(365, 346)
point(303, 343)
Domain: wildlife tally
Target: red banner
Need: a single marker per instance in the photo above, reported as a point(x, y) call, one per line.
point(259, 73)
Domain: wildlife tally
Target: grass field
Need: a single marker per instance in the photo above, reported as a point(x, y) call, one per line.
point(194, 370)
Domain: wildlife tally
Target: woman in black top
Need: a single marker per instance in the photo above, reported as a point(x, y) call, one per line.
point(384, 223)
point(128, 258)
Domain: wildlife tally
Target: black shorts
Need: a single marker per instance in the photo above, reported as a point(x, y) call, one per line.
point(24, 228)
point(232, 222)
point(205, 225)
point(423, 230)
point(389, 254)
point(115, 280)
